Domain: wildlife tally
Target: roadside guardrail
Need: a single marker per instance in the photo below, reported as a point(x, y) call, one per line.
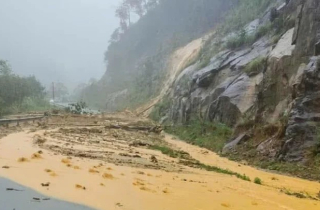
point(18, 120)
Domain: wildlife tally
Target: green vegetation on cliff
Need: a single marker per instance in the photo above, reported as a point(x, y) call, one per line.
point(243, 13)
point(240, 15)
point(256, 66)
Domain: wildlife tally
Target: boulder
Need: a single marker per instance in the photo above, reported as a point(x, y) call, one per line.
point(265, 148)
point(284, 47)
point(229, 147)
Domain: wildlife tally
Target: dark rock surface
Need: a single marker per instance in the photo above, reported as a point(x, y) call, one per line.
point(304, 119)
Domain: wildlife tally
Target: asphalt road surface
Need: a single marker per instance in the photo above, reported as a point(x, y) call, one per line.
point(17, 197)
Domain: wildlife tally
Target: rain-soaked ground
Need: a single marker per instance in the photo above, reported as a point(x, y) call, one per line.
point(14, 196)
point(121, 161)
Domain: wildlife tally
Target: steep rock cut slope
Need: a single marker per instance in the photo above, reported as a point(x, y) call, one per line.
point(268, 90)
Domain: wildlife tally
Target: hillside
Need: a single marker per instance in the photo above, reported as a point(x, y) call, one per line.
point(138, 57)
point(253, 69)
point(261, 81)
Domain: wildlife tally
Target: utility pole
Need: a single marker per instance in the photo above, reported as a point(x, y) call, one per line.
point(53, 91)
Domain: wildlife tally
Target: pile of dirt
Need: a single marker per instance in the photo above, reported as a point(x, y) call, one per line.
point(107, 138)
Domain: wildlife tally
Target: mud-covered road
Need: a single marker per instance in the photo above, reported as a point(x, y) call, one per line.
point(119, 161)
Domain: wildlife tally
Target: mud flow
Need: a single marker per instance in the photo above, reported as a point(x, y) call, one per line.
point(121, 161)
point(120, 141)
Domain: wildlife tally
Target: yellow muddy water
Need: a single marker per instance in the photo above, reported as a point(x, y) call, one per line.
point(108, 187)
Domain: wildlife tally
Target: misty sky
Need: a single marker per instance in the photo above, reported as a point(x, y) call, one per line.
point(56, 40)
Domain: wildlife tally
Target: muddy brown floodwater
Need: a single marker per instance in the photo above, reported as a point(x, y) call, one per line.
point(109, 162)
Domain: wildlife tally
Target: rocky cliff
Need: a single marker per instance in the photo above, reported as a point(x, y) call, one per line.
point(269, 90)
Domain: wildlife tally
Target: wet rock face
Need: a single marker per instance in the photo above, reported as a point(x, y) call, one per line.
point(204, 76)
point(308, 28)
point(304, 118)
point(287, 86)
point(236, 99)
point(218, 113)
point(220, 86)
point(275, 86)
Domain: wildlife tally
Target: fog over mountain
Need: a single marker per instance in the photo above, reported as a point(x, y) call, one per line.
point(56, 40)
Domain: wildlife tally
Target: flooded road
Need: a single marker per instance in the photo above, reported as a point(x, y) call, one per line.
point(89, 162)
point(18, 197)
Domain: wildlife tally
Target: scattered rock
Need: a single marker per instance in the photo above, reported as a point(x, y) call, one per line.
point(36, 156)
point(94, 171)
point(119, 204)
point(53, 174)
point(225, 205)
point(65, 161)
point(23, 159)
point(139, 144)
point(136, 156)
point(48, 170)
point(107, 176)
point(78, 186)
point(45, 184)
point(153, 159)
point(37, 139)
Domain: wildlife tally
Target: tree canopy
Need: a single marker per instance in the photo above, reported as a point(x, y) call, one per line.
point(5, 68)
point(16, 91)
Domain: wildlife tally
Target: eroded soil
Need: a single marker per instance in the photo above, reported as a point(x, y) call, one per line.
point(119, 161)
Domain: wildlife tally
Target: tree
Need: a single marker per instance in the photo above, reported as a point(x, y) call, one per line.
point(5, 68)
point(151, 4)
point(17, 93)
point(139, 7)
point(123, 13)
point(115, 36)
point(136, 6)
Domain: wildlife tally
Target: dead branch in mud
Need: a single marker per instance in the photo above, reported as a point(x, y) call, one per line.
point(154, 129)
point(78, 125)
